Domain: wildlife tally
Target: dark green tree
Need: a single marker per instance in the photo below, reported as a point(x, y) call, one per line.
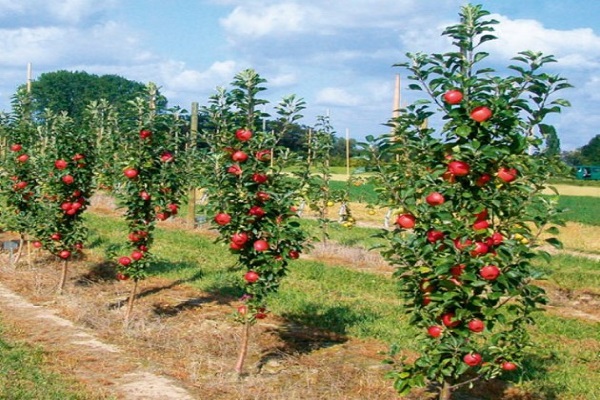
point(590, 153)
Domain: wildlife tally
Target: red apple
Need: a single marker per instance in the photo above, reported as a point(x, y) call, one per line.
point(426, 286)
point(243, 135)
point(173, 208)
point(163, 216)
point(459, 168)
point(481, 225)
point(262, 196)
point(20, 185)
point(462, 245)
point(234, 170)
point(78, 157)
point(453, 96)
point(68, 179)
point(79, 246)
point(260, 314)
point(134, 237)
point(64, 254)
point(37, 244)
point(435, 331)
point(435, 199)
point(251, 276)
point(426, 300)
point(483, 179)
point(406, 221)
point(239, 156)
point(60, 164)
point(509, 366)
point(137, 255)
point(124, 261)
point(143, 248)
point(507, 174)
point(222, 219)
point(480, 249)
point(476, 325)
point(259, 178)
point(145, 195)
point(261, 245)
point(130, 173)
point(294, 254)
point(122, 277)
point(496, 238)
point(482, 215)
point(263, 155)
point(145, 134)
point(489, 272)
point(23, 158)
point(16, 147)
point(239, 238)
point(56, 236)
point(243, 309)
point(434, 235)
point(472, 359)
point(449, 321)
point(481, 114)
point(457, 270)
point(257, 211)
point(166, 157)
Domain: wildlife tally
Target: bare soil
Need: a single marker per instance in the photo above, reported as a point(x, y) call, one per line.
point(183, 344)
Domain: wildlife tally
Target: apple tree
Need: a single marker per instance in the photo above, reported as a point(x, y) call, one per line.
point(252, 200)
point(150, 182)
point(472, 209)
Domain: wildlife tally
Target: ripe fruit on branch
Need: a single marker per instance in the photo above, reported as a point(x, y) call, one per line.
point(78, 157)
point(457, 270)
point(295, 254)
point(243, 135)
point(20, 185)
point(509, 366)
point(145, 134)
point(481, 114)
point(124, 261)
point(64, 254)
point(137, 255)
point(263, 155)
point(251, 276)
point(23, 158)
point(435, 199)
point(476, 325)
point(489, 272)
point(122, 277)
point(243, 309)
point(259, 178)
point(496, 239)
point(261, 245)
point(481, 225)
point(166, 157)
point(257, 211)
point(262, 196)
point(459, 168)
point(239, 238)
point(16, 147)
point(239, 156)
point(507, 174)
point(173, 208)
point(37, 244)
point(449, 321)
point(434, 235)
point(163, 216)
point(60, 164)
point(56, 236)
point(453, 96)
point(472, 359)
point(68, 179)
point(145, 195)
point(222, 219)
point(406, 221)
point(234, 170)
point(480, 249)
point(435, 331)
point(130, 173)
point(483, 179)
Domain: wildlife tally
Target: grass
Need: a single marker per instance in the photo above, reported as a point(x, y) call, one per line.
point(346, 302)
point(24, 375)
point(583, 209)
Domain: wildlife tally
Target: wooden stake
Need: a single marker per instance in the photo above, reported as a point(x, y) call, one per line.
point(63, 277)
point(191, 217)
point(28, 77)
point(239, 366)
point(348, 153)
point(130, 302)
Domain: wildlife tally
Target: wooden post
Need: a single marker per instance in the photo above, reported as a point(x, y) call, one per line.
point(396, 106)
point(348, 153)
point(309, 146)
point(191, 217)
point(28, 77)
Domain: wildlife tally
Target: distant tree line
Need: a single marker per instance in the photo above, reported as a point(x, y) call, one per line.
point(585, 155)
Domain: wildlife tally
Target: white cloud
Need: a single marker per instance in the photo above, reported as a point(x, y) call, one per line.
point(332, 96)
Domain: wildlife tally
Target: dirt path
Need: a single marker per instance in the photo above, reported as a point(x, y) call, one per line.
point(119, 376)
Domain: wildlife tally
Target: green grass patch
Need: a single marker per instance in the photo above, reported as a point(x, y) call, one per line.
point(24, 377)
point(572, 273)
point(583, 209)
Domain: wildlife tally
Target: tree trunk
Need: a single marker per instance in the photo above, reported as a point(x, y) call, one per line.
point(19, 251)
point(130, 301)
point(63, 277)
point(446, 392)
point(239, 366)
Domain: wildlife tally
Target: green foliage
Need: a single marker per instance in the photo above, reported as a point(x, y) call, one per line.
point(473, 189)
point(250, 198)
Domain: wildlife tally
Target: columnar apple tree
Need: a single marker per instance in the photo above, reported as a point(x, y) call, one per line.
point(471, 206)
point(18, 173)
point(150, 183)
point(252, 200)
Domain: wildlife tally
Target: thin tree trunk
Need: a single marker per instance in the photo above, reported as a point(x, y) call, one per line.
point(63, 277)
point(131, 301)
point(239, 366)
point(446, 392)
point(19, 251)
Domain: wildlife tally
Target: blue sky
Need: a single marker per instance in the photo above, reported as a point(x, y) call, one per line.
point(336, 54)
